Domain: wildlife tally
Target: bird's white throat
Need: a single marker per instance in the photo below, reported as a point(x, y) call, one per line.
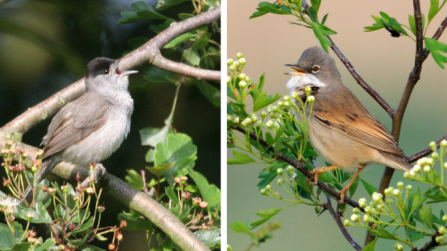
point(302, 80)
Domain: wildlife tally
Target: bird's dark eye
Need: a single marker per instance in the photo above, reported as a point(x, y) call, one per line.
point(106, 71)
point(315, 68)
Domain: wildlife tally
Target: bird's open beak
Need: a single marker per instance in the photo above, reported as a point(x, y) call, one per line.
point(123, 73)
point(299, 71)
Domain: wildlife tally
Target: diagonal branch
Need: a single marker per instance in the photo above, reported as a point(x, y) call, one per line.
point(360, 80)
point(344, 231)
point(300, 168)
point(426, 151)
point(149, 52)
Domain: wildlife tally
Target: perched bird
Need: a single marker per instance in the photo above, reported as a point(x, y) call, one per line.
point(91, 128)
point(341, 130)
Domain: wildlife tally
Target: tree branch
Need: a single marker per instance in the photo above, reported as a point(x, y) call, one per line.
point(344, 231)
point(360, 80)
point(426, 151)
point(429, 245)
point(151, 50)
point(148, 52)
point(302, 169)
point(132, 198)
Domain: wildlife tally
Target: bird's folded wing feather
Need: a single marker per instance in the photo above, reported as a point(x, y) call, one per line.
point(75, 122)
point(362, 127)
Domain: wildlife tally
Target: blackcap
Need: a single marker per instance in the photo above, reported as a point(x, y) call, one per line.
point(91, 128)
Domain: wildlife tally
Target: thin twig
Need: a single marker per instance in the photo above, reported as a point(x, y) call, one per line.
point(426, 151)
point(429, 245)
point(302, 169)
point(360, 80)
point(344, 231)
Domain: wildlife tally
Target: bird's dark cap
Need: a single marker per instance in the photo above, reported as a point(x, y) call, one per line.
point(98, 66)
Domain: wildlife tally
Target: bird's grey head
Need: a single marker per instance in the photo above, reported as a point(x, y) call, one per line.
point(315, 69)
point(103, 76)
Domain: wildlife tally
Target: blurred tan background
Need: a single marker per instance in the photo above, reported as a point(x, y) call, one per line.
point(384, 62)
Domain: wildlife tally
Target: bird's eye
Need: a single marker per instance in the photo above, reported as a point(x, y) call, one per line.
point(315, 68)
point(106, 71)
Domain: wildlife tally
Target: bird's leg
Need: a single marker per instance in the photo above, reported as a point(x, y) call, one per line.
point(345, 190)
point(317, 172)
point(99, 175)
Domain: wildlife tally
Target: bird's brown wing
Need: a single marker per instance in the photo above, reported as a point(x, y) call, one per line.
point(74, 122)
point(344, 113)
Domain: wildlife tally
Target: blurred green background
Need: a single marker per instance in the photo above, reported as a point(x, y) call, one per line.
point(270, 42)
point(45, 46)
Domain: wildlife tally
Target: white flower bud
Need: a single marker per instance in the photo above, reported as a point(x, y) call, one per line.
point(254, 118)
point(269, 124)
point(427, 168)
point(407, 175)
point(400, 184)
point(396, 192)
point(347, 223)
point(421, 161)
point(242, 76)
point(295, 95)
point(409, 187)
point(367, 209)
point(355, 210)
point(232, 68)
point(236, 64)
point(398, 247)
point(286, 98)
point(365, 218)
point(239, 55)
point(229, 61)
point(355, 217)
point(242, 61)
point(443, 143)
point(416, 168)
point(286, 103)
point(377, 197)
point(311, 99)
point(362, 202)
point(242, 84)
point(228, 79)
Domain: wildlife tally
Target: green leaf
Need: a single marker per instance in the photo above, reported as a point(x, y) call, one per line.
point(162, 5)
point(134, 179)
point(154, 74)
point(135, 222)
point(436, 47)
point(210, 92)
point(210, 193)
point(7, 240)
point(266, 215)
point(416, 199)
point(172, 195)
point(370, 246)
point(258, 89)
point(240, 158)
point(265, 7)
point(324, 18)
point(180, 39)
point(152, 136)
point(243, 228)
point(161, 27)
point(191, 56)
point(46, 245)
point(178, 151)
point(321, 33)
point(315, 5)
point(22, 246)
point(414, 236)
point(211, 238)
point(266, 177)
point(264, 100)
point(426, 215)
point(312, 14)
point(201, 43)
point(434, 8)
point(85, 226)
point(354, 186)
point(370, 189)
point(141, 11)
point(382, 233)
point(158, 170)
